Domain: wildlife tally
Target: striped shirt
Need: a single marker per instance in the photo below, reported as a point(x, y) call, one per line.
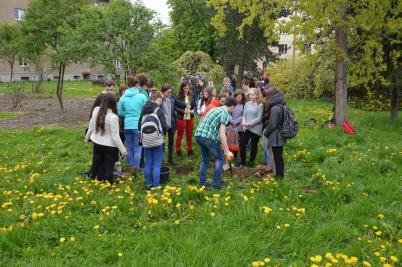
point(209, 126)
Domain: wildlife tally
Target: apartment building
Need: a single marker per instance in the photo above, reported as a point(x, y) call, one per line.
point(11, 11)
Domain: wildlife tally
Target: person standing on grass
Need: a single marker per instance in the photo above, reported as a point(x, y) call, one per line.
point(109, 87)
point(185, 109)
point(103, 131)
point(252, 126)
point(142, 82)
point(129, 108)
point(237, 117)
point(227, 87)
point(275, 100)
point(153, 155)
point(265, 119)
point(204, 101)
point(211, 139)
point(168, 107)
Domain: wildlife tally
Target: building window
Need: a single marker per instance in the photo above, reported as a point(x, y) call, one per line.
point(19, 13)
point(76, 77)
point(307, 47)
point(100, 76)
point(117, 63)
point(283, 48)
point(23, 63)
point(25, 78)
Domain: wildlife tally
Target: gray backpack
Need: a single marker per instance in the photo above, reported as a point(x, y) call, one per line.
point(289, 127)
point(151, 130)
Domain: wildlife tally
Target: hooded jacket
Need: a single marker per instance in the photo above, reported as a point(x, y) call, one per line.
point(130, 107)
point(150, 108)
point(275, 138)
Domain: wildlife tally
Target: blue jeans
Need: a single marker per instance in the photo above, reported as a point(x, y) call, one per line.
point(265, 149)
point(153, 163)
point(207, 147)
point(133, 148)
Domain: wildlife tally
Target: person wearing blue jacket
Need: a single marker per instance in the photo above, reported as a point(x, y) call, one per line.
point(129, 108)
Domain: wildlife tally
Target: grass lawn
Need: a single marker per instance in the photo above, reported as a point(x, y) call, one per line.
point(349, 216)
point(71, 89)
point(4, 115)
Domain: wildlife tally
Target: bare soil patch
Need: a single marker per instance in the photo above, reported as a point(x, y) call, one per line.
point(45, 111)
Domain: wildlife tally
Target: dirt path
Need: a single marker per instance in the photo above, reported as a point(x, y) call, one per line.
point(44, 111)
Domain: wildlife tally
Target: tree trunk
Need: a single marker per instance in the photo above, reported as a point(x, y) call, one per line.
point(60, 84)
point(394, 103)
point(341, 88)
point(241, 59)
point(12, 71)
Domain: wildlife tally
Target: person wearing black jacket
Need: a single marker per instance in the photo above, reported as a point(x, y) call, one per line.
point(275, 139)
point(185, 108)
point(154, 155)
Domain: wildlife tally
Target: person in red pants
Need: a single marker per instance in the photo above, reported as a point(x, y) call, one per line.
point(185, 107)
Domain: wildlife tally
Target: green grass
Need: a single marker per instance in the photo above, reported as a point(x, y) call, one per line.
point(357, 192)
point(4, 115)
point(48, 90)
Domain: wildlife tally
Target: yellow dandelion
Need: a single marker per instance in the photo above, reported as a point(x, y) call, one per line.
point(96, 227)
point(72, 239)
point(120, 254)
point(255, 263)
point(394, 258)
point(62, 239)
point(366, 263)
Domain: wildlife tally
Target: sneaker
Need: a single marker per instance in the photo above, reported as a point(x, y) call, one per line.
point(217, 187)
point(148, 187)
point(251, 164)
point(189, 153)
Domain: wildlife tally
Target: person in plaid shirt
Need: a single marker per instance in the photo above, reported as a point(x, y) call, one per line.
point(210, 135)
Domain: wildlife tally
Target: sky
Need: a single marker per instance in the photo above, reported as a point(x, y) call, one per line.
point(160, 6)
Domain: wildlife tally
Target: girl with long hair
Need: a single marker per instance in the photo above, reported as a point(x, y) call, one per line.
point(206, 98)
point(252, 126)
point(185, 109)
point(103, 131)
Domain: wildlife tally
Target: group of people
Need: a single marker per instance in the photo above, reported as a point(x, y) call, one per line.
point(141, 116)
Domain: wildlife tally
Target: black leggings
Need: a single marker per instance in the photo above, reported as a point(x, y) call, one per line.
point(247, 135)
point(103, 161)
point(278, 159)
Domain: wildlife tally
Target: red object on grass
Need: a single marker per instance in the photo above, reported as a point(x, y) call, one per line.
point(348, 128)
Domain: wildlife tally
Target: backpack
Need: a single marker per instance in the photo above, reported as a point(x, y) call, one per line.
point(151, 130)
point(290, 126)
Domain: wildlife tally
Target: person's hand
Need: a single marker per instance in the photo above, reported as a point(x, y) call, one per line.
point(192, 111)
point(124, 154)
point(229, 156)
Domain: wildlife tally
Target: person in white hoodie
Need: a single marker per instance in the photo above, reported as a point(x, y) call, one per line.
point(103, 131)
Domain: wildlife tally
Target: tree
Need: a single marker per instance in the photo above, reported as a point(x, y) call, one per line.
point(10, 44)
point(191, 27)
point(50, 27)
point(120, 37)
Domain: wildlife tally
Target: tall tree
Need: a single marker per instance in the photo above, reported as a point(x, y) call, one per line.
point(122, 32)
point(49, 27)
point(191, 26)
point(10, 44)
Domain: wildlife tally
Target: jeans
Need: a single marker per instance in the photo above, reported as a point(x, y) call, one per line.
point(208, 147)
point(265, 148)
point(133, 148)
point(278, 158)
point(103, 162)
point(253, 146)
point(153, 163)
point(184, 125)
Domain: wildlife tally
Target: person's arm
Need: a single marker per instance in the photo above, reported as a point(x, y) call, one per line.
point(273, 120)
point(177, 107)
point(115, 132)
point(140, 120)
point(91, 127)
point(120, 108)
point(258, 119)
point(224, 142)
point(162, 119)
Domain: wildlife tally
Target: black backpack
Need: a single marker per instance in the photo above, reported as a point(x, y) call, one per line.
point(290, 126)
point(151, 130)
